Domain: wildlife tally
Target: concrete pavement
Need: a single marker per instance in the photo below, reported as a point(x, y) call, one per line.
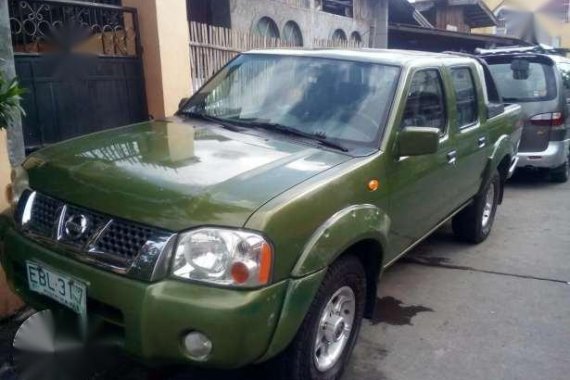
point(499, 310)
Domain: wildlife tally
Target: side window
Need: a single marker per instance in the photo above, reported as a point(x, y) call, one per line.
point(466, 95)
point(425, 106)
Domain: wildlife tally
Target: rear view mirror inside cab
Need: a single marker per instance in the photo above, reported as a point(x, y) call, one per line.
point(521, 69)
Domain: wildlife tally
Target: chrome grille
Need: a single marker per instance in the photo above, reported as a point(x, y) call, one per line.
point(101, 239)
point(123, 239)
point(44, 214)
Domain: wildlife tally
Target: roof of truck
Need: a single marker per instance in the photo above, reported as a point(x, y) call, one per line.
point(385, 56)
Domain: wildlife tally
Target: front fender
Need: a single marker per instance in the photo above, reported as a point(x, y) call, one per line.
point(345, 228)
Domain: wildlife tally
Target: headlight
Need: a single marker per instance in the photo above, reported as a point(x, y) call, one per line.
point(223, 257)
point(19, 184)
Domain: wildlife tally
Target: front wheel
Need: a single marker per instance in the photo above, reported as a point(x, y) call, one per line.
point(474, 223)
point(327, 335)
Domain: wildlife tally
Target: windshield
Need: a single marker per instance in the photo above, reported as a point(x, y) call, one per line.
point(343, 101)
point(539, 86)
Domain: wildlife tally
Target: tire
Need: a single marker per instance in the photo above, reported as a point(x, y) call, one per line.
point(299, 361)
point(560, 174)
point(474, 223)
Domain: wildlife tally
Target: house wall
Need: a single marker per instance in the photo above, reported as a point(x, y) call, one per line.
point(314, 24)
point(165, 41)
point(9, 303)
point(556, 29)
point(452, 16)
point(550, 30)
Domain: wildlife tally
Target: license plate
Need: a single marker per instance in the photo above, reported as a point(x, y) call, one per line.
point(57, 286)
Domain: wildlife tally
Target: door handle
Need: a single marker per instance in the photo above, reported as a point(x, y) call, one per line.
point(482, 141)
point(452, 157)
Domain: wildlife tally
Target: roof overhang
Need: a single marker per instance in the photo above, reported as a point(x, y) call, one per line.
point(477, 13)
point(489, 38)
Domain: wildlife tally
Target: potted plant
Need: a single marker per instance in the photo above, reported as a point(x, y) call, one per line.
point(10, 109)
point(10, 97)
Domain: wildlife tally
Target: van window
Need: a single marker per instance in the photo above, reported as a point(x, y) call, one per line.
point(425, 106)
point(466, 96)
point(565, 73)
point(539, 86)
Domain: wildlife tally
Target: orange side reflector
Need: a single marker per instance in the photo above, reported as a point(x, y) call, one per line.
point(266, 261)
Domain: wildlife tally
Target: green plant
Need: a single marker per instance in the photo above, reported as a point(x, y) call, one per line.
point(10, 97)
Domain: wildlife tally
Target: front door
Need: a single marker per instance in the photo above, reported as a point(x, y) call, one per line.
point(422, 186)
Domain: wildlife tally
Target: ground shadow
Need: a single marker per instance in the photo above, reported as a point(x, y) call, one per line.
point(393, 312)
point(530, 179)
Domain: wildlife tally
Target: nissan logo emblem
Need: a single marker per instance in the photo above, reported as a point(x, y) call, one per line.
point(75, 226)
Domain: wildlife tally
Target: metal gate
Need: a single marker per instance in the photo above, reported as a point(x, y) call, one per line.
point(80, 63)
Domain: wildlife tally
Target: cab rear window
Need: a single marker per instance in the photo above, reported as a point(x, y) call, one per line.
point(540, 85)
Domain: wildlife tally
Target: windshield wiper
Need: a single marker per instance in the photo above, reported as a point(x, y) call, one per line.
point(286, 130)
point(227, 124)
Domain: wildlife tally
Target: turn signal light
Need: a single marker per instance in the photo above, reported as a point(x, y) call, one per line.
point(266, 262)
point(373, 185)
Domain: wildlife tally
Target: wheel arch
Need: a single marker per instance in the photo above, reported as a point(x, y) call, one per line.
point(500, 159)
point(371, 256)
point(360, 230)
point(503, 169)
point(353, 226)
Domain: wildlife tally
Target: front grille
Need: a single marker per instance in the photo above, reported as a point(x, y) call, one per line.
point(123, 239)
point(94, 235)
point(44, 214)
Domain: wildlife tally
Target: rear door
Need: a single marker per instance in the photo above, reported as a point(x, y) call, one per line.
point(471, 140)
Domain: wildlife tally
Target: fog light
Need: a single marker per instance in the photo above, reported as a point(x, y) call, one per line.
point(198, 345)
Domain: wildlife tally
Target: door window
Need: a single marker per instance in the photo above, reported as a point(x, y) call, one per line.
point(425, 106)
point(466, 96)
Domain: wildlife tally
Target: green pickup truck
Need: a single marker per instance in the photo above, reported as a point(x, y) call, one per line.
point(255, 224)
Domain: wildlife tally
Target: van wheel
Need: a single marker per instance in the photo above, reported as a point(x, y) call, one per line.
point(560, 174)
point(327, 335)
point(474, 223)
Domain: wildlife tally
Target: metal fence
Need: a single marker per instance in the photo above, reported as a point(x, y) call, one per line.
point(56, 26)
point(211, 47)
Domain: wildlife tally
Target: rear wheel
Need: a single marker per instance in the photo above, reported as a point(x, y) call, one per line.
point(561, 173)
point(326, 338)
point(474, 223)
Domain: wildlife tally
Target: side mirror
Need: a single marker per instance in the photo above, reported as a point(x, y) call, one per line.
point(417, 141)
point(495, 109)
point(182, 102)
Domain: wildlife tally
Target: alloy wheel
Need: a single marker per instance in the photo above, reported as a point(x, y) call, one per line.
point(335, 327)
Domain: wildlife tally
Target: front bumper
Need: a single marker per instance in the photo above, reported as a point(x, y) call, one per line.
point(153, 317)
point(554, 156)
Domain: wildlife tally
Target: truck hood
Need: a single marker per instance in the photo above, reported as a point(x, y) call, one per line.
point(175, 174)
